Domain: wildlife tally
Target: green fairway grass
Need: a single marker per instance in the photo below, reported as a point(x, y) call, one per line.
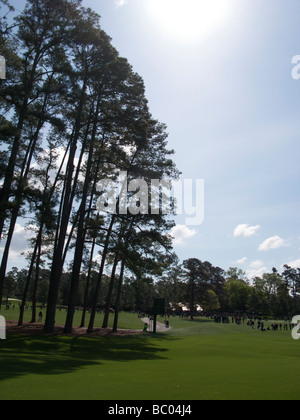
point(194, 360)
point(126, 320)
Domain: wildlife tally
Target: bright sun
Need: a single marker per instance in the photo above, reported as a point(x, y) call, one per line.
point(189, 20)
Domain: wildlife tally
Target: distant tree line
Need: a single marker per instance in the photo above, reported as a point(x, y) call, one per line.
point(273, 294)
point(191, 284)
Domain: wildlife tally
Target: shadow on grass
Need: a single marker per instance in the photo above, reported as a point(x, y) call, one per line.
point(23, 355)
point(199, 320)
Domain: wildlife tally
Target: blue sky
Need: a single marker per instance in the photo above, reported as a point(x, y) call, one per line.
point(221, 79)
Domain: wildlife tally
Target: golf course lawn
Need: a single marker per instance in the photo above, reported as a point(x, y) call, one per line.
point(195, 360)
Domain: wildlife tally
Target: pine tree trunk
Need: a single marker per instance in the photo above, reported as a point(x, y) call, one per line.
point(36, 280)
point(5, 256)
point(118, 300)
point(109, 295)
point(81, 230)
point(5, 190)
point(58, 261)
point(99, 280)
point(86, 293)
point(18, 200)
point(28, 279)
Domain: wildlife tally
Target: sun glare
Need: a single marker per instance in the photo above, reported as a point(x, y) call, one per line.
point(188, 20)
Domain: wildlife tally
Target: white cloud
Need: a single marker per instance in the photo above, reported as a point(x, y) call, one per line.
point(19, 246)
point(294, 264)
point(15, 255)
point(181, 233)
point(245, 230)
point(256, 269)
point(22, 233)
point(272, 243)
point(242, 260)
point(256, 264)
point(120, 3)
point(97, 259)
point(19, 229)
point(256, 272)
